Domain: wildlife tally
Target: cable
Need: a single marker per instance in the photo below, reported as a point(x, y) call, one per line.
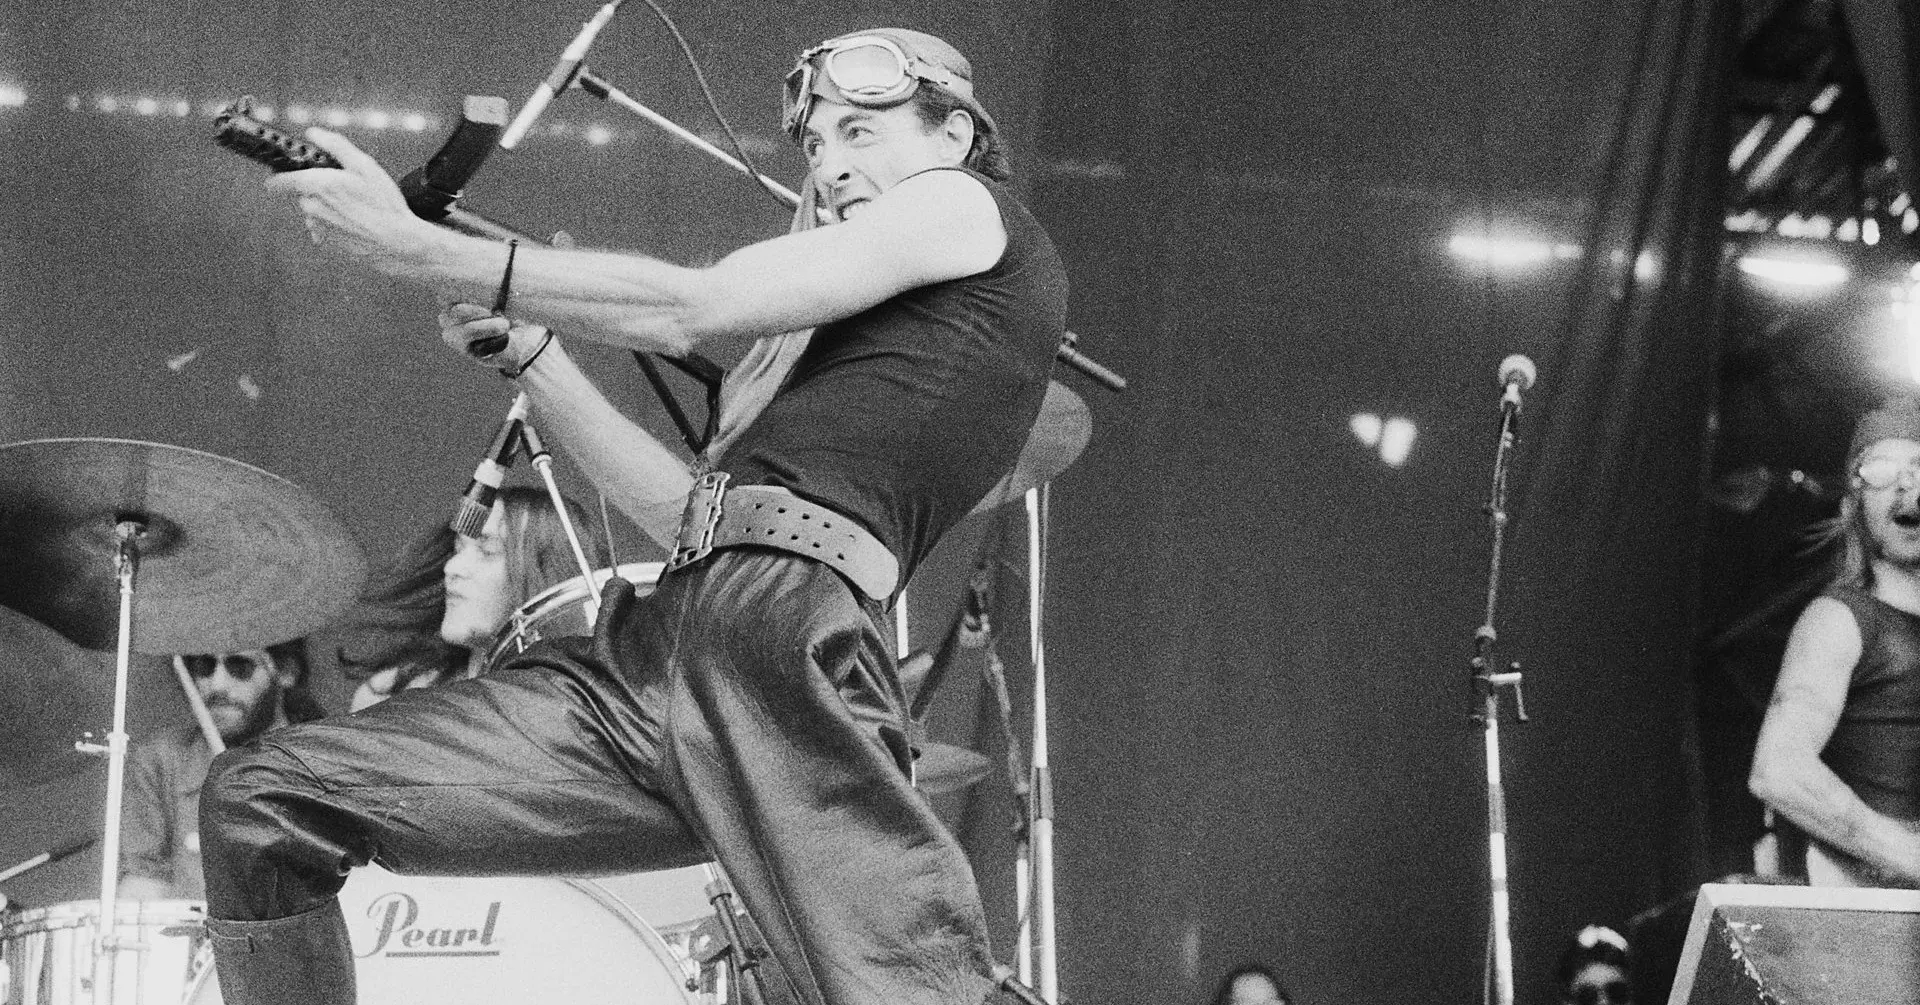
point(700, 77)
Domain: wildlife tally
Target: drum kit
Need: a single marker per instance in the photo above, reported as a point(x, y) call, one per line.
point(143, 547)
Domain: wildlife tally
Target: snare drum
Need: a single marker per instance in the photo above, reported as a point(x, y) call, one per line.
point(426, 940)
point(559, 610)
point(49, 952)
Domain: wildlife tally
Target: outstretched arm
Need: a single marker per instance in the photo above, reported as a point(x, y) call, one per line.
point(1788, 774)
point(929, 228)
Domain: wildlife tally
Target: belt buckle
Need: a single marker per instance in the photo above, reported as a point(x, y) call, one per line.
point(698, 522)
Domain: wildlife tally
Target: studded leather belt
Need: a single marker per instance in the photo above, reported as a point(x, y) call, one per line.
point(721, 516)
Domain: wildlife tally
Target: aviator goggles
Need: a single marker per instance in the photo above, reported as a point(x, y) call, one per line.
point(871, 71)
point(1886, 472)
point(240, 666)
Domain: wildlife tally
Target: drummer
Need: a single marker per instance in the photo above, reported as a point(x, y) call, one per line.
point(246, 693)
point(449, 595)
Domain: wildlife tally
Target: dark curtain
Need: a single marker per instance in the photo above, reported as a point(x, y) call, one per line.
point(1260, 629)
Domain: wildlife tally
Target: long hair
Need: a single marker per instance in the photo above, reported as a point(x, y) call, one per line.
point(538, 556)
point(397, 621)
point(1853, 560)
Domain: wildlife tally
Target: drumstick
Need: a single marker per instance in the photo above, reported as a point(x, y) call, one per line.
point(199, 707)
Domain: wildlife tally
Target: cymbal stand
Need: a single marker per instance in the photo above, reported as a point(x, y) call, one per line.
point(126, 566)
point(1487, 686)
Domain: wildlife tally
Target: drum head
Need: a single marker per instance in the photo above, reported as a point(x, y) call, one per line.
point(561, 610)
point(496, 941)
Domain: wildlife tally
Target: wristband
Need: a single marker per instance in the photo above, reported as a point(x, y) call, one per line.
point(512, 373)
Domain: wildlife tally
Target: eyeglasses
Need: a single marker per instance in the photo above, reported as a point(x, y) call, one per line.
point(240, 666)
point(869, 70)
point(1610, 993)
point(1885, 472)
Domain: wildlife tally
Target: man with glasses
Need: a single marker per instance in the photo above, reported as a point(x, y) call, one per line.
point(750, 709)
point(1839, 751)
point(246, 694)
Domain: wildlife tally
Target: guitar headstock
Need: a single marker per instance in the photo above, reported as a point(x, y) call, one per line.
point(236, 129)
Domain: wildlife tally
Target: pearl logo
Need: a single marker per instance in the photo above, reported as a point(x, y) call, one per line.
point(400, 932)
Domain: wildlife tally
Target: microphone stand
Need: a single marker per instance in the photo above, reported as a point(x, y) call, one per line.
point(542, 461)
point(1487, 685)
point(1044, 964)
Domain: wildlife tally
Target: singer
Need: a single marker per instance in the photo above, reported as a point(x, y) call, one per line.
point(750, 709)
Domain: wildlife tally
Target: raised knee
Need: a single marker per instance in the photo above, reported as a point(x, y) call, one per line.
point(244, 782)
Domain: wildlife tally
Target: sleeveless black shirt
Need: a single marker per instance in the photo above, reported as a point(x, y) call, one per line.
point(904, 415)
point(1875, 747)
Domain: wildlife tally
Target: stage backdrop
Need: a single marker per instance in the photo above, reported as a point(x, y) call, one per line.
point(1281, 220)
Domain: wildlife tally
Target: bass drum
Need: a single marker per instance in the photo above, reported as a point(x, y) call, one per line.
point(48, 952)
point(561, 610)
point(428, 940)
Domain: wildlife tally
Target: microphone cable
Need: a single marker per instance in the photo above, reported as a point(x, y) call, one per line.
point(706, 91)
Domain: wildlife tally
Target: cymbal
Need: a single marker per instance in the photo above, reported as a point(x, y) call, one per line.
point(232, 557)
point(50, 689)
point(944, 768)
point(1059, 434)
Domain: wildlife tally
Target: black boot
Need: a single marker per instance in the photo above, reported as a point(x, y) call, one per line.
point(302, 960)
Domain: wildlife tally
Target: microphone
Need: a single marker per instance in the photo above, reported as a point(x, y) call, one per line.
point(470, 513)
point(1517, 374)
point(432, 190)
point(560, 79)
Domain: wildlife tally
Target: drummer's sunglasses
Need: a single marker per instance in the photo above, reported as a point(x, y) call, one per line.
point(240, 666)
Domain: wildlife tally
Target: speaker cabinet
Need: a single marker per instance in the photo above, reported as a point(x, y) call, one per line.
point(1800, 945)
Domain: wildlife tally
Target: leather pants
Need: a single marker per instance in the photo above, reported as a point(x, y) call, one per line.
point(749, 709)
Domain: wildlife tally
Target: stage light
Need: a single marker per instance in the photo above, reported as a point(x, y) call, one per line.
point(107, 103)
point(182, 109)
point(599, 136)
point(1396, 441)
point(299, 114)
point(1749, 143)
point(12, 96)
point(413, 122)
point(146, 106)
point(1794, 272)
point(1870, 231)
point(1789, 142)
point(374, 118)
point(1510, 252)
point(1392, 436)
point(336, 118)
point(1909, 221)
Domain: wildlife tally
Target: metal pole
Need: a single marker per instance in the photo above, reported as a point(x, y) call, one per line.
point(106, 947)
point(1487, 685)
point(543, 462)
point(1046, 963)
